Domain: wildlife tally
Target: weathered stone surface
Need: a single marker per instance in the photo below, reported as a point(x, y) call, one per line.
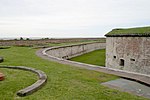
point(135, 51)
point(66, 52)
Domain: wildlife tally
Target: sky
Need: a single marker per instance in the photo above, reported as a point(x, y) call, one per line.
point(70, 18)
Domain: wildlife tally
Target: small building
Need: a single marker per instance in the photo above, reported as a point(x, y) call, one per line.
point(129, 49)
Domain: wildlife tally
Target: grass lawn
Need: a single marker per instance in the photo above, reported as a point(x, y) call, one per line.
point(64, 82)
point(96, 57)
point(138, 30)
point(75, 43)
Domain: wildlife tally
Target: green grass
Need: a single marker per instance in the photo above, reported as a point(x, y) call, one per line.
point(96, 57)
point(75, 43)
point(139, 30)
point(102, 40)
point(64, 82)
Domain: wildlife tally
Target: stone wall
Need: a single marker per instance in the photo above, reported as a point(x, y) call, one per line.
point(128, 53)
point(70, 51)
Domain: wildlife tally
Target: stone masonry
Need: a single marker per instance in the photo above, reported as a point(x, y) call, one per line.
point(128, 53)
point(70, 51)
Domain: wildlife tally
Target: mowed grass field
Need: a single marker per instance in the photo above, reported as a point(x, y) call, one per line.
point(64, 82)
point(96, 57)
point(75, 43)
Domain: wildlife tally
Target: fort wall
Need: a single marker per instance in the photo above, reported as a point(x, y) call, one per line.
point(67, 52)
point(128, 53)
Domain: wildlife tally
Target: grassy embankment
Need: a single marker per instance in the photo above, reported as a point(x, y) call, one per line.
point(75, 43)
point(96, 57)
point(131, 31)
point(64, 82)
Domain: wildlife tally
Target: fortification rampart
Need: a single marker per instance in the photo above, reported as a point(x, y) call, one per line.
point(128, 53)
point(70, 51)
point(47, 54)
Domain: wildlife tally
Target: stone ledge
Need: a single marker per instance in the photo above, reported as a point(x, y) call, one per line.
point(34, 87)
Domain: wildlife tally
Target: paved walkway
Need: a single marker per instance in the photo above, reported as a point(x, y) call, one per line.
point(129, 86)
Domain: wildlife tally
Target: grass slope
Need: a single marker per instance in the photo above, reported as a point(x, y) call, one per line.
point(139, 30)
point(96, 57)
point(64, 82)
point(103, 40)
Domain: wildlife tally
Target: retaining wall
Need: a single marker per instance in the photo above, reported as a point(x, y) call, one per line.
point(67, 52)
point(34, 87)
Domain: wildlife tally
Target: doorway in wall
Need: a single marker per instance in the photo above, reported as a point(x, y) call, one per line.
point(121, 62)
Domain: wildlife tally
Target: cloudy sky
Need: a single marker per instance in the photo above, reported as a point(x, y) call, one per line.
point(70, 18)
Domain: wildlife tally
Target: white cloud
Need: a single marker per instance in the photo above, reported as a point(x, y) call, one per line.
point(70, 17)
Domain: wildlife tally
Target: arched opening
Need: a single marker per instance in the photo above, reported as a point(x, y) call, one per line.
point(121, 62)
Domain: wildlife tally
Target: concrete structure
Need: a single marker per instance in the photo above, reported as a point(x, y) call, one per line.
point(34, 87)
point(129, 86)
point(70, 51)
point(129, 52)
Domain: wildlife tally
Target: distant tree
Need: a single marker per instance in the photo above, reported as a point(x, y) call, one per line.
point(46, 38)
point(21, 38)
point(27, 39)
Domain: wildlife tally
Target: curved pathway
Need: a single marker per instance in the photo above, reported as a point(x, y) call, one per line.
point(34, 87)
point(126, 74)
